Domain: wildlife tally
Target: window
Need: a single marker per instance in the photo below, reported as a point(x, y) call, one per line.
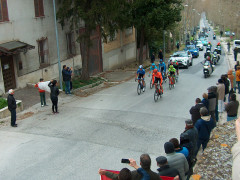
point(39, 10)
point(71, 48)
point(3, 11)
point(43, 51)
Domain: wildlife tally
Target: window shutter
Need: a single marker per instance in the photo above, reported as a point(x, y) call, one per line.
point(36, 8)
point(41, 9)
point(5, 10)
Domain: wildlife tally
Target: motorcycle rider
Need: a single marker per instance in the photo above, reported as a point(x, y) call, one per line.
point(211, 63)
point(209, 46)
point(208, 53)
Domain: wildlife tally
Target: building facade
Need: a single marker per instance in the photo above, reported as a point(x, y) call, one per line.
point(28, 48)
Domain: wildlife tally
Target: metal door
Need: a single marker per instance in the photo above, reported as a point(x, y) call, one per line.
point(8, 72)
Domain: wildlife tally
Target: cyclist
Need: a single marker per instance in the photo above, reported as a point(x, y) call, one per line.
point(152, 68)
point(157, 77)
point(176, 66)
point(162, 68)
point(171, 72)
point(140, 75)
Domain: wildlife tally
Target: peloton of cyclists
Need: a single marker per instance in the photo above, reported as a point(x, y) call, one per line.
point(141, 75)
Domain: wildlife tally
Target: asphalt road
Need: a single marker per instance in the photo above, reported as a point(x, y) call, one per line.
point(97, 131)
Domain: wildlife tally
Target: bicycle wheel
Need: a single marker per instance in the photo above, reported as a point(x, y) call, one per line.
point(170, 86)
point(151, 86)
point(139, 89)
point(176, 79)
point(156, 95)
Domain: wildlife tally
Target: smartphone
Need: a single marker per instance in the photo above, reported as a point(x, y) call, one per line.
point(125, 161)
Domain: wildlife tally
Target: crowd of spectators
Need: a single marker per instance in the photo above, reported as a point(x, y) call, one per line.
point(181, 154)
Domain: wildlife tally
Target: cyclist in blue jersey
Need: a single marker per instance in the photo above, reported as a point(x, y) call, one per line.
point(162, 68)
point(141, 75)
point(152, 68)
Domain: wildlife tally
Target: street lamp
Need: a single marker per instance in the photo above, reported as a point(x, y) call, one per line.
point(185, 33)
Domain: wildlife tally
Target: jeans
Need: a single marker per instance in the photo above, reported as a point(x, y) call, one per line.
point(42, 98)
point(54, 105)
point(238, 83)
point(13, 117)
point(67, 87)
point(202, 142)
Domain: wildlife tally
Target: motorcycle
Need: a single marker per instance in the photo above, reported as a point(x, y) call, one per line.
point(219, 50)
point(207, 69)
point(215, 59)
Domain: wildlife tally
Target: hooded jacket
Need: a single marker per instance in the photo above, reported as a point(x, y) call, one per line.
point(232, 108)
point(231, 78)
point(193, 137)
point(212, 98)
point(194, 111)
point(204, 127)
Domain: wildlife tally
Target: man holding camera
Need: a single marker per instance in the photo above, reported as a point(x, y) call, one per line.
point(66, 74)
point(143, 173)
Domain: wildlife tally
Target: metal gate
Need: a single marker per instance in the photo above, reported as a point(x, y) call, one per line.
point(95, 52)
point(8, 72)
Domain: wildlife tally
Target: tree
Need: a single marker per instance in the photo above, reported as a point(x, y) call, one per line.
point(154, 15)
point(109, 16)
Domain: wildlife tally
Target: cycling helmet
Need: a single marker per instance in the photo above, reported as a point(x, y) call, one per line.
point(153, 64)
point(140, 67)
point(161, 60)
point(155, 71)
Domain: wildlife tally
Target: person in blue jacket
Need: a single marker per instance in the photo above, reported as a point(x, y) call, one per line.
point(162, 68)
point(152, 68)
point(204, 127)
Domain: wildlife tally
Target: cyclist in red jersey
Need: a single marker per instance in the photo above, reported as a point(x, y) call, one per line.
point(157, 77)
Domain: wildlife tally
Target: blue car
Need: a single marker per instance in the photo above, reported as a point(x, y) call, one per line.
point(193, 50)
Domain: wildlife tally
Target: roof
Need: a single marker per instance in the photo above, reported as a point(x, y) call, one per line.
point(14, 47)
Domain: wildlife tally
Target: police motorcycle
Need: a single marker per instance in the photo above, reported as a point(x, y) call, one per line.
point(208, 67)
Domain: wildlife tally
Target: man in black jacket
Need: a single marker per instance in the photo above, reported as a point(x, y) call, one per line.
point(12, 107)
point(194, 111)
point(164, 169)
point(66, 74)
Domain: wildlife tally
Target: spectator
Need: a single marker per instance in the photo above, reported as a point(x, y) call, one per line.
point(164, 169)
point(238, 78)
point(160, 54)
point(228, 46)
point(235, 51)
point(194, 111)
point(204, 127)
point(226, 82)
point(124, 174)
point(178, 148)
point(205, 100)
point(42, 94)
point(232, 108)
point(212, 98)
point(176, 160)
point(234, 81)
point(12, 107)
point(231, 78)
point(178, 46)
point(54, 95)
point(214, 90)
point(185, 142)
point(152, 57)
point(236, 154)
point(221, 33)
point(236, 65)
point(66, 74)
point(192, 134)
point(221, 93)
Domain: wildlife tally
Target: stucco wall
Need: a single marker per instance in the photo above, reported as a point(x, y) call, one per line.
point(25, 27)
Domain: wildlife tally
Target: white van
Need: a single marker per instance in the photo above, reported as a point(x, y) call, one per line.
point(236, 43)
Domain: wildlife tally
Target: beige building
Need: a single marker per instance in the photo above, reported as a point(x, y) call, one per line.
point(28, 45)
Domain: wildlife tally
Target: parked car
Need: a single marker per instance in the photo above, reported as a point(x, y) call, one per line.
point(194, 50)
point(229, 33)
point(199, 45)
point(184, 58)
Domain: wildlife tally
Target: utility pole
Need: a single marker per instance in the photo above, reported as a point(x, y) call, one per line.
point(58, 54)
